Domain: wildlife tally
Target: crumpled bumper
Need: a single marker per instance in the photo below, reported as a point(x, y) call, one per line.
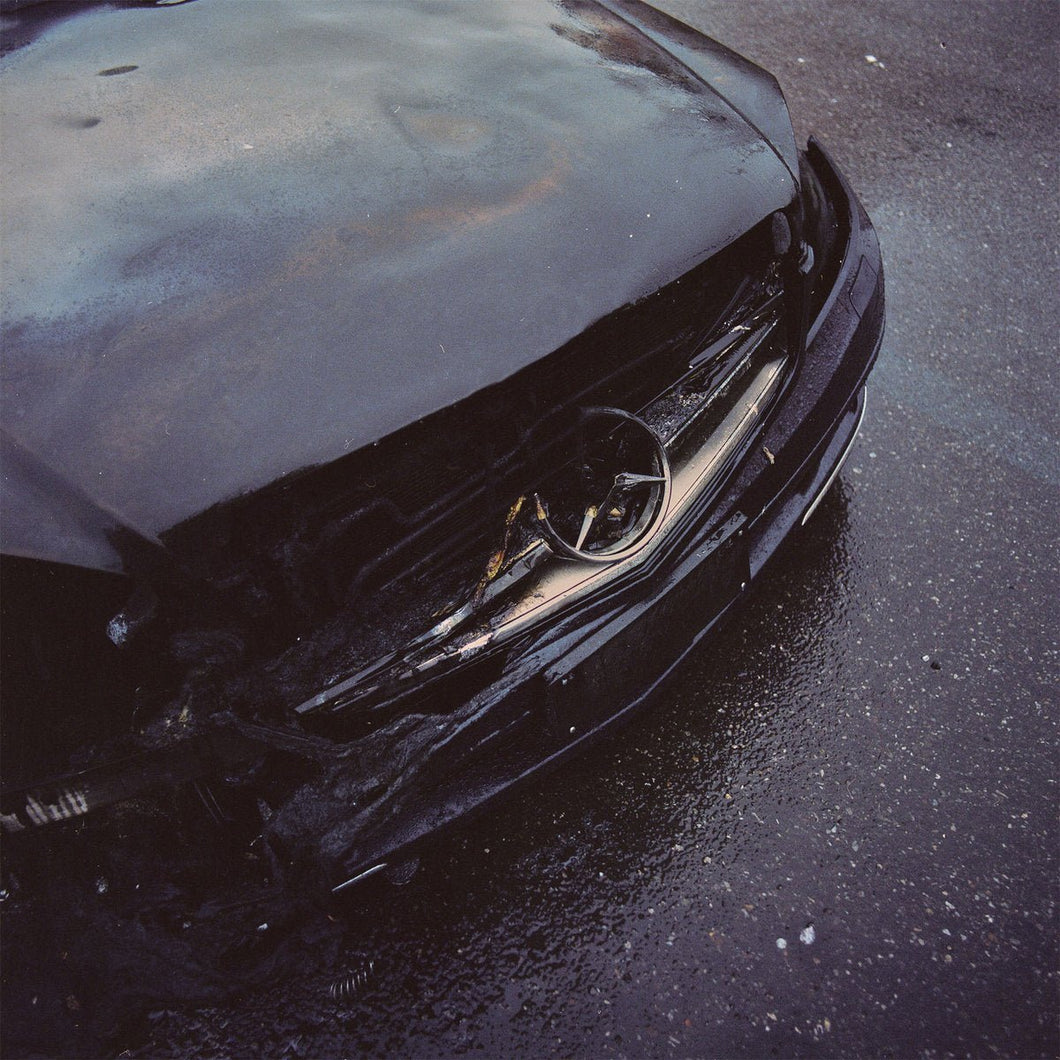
point(597, 663)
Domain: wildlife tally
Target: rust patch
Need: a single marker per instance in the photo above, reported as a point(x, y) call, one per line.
point(325, 248)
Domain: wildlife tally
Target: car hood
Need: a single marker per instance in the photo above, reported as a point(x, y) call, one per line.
point(246, 238)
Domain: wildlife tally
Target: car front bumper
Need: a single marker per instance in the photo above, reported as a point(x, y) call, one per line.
point(597, 663)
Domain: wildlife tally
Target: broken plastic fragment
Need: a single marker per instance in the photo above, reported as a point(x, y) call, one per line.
point(118, 628)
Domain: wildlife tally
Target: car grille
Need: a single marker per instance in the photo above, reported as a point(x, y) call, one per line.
point(357, 578)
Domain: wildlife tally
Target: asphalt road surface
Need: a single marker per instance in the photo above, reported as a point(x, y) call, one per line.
point(835, 832)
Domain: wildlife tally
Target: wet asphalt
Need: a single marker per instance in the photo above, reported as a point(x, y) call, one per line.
point(835, 831)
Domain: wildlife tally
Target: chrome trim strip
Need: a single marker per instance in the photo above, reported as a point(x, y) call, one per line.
point(839, 463)
point(360, 876)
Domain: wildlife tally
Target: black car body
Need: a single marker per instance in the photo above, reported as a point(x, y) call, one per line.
point(391, 397)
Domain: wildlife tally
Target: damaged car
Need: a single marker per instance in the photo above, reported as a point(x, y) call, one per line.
point(392, 396)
